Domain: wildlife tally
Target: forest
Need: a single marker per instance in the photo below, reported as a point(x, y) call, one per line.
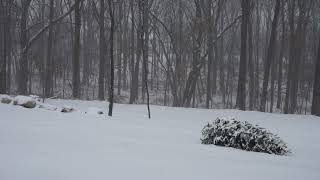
point(257, 55)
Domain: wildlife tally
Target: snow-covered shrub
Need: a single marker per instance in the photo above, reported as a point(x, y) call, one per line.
point(5, 99)
point(242, 135)
point(25, 101)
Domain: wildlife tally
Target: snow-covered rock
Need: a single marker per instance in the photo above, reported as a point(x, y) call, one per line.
point(48, 107)
point(25, 101)
point(94, 110)
point(35, 97)
point(67, 109)
point(5, 99)
point(242, 135)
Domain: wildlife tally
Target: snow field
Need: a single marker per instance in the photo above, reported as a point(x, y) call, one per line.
point(39, 144)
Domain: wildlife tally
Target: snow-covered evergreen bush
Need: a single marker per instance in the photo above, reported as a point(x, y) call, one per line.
point(242, 135)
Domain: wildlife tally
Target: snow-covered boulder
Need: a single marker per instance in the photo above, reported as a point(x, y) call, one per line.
point(35, 97)
point(5, 99)
point(242, 135)
point(94, 110)
point(25, 101)
point(67, 109)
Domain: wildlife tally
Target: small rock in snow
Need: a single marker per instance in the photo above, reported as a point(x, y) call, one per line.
point(67, 109)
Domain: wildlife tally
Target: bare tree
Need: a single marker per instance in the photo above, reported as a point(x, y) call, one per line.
point(111, 89)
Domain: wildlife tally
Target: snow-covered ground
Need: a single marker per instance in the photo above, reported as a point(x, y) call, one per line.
point(41, 144)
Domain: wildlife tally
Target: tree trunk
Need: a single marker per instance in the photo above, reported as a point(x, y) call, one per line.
point(76, 52)
point(145, 30)
point(196, 64)
point(210, 53)
point(111, 89)
point(101, 52)
point(250, 65)
point(23, 63)
point(270, 56)
point(49, 63)
point(291, 54)
point(126, 50)
point(119, 48)
point(132, 61)
point(299, 48)
point(315, 110)
point(241, 92)
point(222, 65)
point(257, 60)
point(3, 46)
point(280, 58)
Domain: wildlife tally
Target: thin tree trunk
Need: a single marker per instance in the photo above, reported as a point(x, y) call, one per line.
point(145, 50)
point(102, 48)
point(210, 54)
point(280, 58)
point(222, 65)
point(111, 90)
point(256, 66)
point(9, 47)
point(119, 48)
point(251, 65)
point(76, 52)
point(132, 61)
point(49, 63)
point(241, 91)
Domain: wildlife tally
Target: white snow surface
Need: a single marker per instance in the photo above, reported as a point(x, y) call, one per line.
point(38, 144)
point(94, 110)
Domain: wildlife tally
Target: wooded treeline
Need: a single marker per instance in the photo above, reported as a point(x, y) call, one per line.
point(247, 54)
